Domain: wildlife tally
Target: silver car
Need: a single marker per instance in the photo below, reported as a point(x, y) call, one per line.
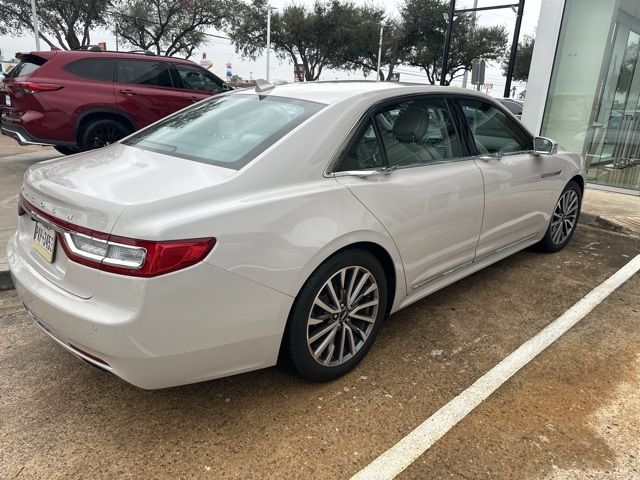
point(290, 220)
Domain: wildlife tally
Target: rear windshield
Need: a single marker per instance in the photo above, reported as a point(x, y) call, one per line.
point(26, 67)
point(226, 131)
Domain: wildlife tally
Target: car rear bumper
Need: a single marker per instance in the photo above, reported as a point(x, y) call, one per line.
point(23, 137)
point(197, 324)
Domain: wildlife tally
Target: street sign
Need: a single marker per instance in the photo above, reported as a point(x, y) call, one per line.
point(477, 72)
point(298, 72)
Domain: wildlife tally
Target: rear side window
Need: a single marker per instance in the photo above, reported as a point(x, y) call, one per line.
point(25, 68)
point(144, 72)
point(93, 69)
point(227, 131)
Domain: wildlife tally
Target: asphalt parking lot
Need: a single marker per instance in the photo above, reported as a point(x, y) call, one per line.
point(573, 412)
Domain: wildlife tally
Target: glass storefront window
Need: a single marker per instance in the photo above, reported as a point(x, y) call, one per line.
point(593, 105)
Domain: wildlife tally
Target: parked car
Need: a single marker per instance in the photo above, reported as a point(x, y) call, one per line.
point(79, 100)
point(514, 106)
point(288, 220)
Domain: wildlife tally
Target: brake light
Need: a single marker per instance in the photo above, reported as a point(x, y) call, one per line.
point(126, 256)
point(35, 87)
point(21, 210)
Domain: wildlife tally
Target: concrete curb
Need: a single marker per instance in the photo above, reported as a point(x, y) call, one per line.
point(604, 223)
point(6, 283)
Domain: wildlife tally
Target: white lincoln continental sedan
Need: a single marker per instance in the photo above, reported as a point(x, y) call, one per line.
point(282, 220)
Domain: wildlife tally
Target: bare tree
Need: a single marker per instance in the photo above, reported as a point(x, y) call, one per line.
point(167, 27)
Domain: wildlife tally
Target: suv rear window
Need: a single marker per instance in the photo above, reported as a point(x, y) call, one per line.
point(227, 131)
point(26, 67)
point(93, 69)
point(144, 72)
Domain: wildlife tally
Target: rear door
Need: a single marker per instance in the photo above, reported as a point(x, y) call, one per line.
point(520, 188)
point(432, 200)
point(144, 89)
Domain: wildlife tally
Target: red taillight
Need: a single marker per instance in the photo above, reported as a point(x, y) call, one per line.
point(35, 87)
point(21, 210)
point(126, 256)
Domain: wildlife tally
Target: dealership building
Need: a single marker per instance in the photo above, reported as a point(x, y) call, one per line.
point(584, 86)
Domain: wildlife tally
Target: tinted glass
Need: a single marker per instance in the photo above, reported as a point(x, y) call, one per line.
point(23, 68)
point(93, 69)
point(144, 72)
point(194, 78)
point(493, 132)
point(513, 107)
point(227, 131)
point(417, 132)
point(364, 153)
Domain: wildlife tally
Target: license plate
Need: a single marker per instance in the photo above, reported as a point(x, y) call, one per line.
point(7, 100)
point(44, 241)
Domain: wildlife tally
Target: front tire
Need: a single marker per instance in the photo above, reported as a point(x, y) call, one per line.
point(564, 219)
point(66, 150)
point(337, 315)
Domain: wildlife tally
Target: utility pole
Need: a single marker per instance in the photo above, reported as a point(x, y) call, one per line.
point(475, 19)
point(379, 54)
point(268, 38)
point(34, 20)
point(514, 50)
point(447, 42)
point(116, 36)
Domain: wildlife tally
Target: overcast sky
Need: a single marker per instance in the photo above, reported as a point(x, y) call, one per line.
point(220, 51)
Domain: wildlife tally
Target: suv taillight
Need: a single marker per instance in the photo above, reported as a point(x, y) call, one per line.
point(122, 255)
point(35, 87)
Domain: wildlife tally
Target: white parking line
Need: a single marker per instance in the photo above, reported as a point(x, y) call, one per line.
point(407, 450)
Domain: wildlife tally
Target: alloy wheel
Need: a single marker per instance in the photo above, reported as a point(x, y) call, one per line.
point(342, 316)
point(105, 135)
point(564, 217)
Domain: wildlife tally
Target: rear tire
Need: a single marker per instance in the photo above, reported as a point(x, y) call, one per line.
point(346, 298)
point(564, 219)
point(102, 132)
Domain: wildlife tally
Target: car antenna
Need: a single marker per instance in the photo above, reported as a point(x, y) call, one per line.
point(263, 85)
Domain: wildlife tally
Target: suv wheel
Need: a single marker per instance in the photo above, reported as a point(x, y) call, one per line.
point(102, 132)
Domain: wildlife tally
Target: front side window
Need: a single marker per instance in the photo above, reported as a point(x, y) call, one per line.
point(227, 131)
point(144, 72)
point(417, 132)
point(494, 132)
point(193, 78)
point(93, 69)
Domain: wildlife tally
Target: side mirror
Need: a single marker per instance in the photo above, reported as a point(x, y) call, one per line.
point(544, 146)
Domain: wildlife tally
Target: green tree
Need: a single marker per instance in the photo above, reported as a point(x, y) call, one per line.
point(425, 28)
point(360, 52)
point(167, 27)
point(62, 24)
point(523, 59)
point(307, 35)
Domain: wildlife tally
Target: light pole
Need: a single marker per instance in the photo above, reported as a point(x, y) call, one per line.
point(34, 20)
point(475, 18)
point(514, 49)
point(268, 39)
point(379, 54)
point(447, 43)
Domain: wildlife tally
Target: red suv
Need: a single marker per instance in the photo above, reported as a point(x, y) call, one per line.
point(78, 100)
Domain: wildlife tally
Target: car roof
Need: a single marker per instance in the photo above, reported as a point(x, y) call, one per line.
point(329, 92)
point(72, 55)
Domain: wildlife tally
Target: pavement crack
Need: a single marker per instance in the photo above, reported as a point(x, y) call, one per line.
point(19, 472)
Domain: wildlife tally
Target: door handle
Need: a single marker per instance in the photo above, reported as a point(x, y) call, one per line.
point(194, 99)
point(486, 158)
point(128, 92)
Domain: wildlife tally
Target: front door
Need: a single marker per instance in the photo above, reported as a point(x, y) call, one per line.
point(520, 188)
point(431, 201)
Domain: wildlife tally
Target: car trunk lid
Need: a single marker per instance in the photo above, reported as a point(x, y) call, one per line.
point(89, 191)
